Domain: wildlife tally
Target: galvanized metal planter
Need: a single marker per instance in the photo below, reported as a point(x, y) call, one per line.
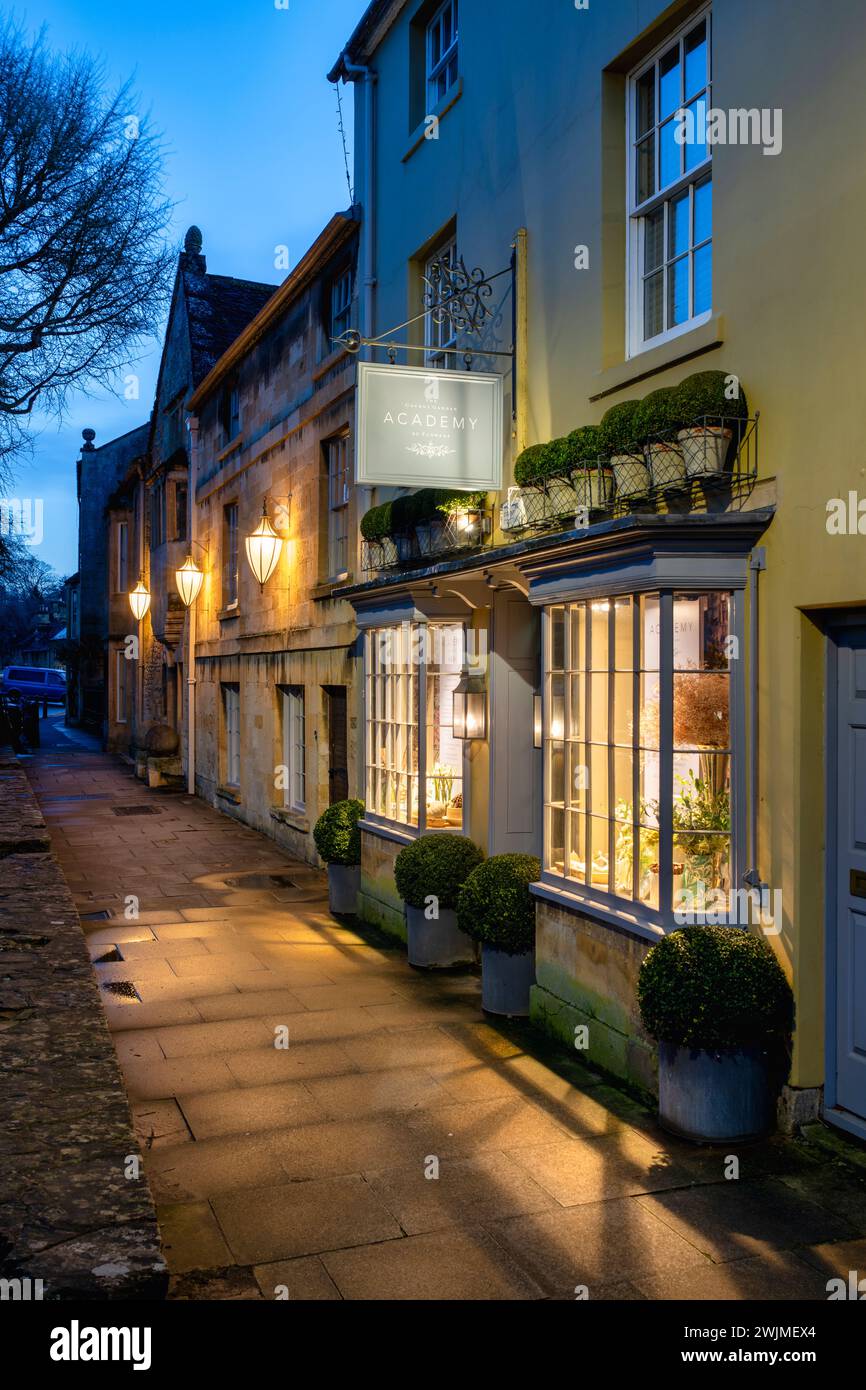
point(344, 880)
point(506, 982)
point(434, 944)
point(717, 1095)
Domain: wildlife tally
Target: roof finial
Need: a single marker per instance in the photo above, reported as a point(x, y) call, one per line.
point(192, 241)
point(88, 436)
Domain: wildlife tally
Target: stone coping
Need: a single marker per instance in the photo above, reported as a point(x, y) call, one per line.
point(69, 1214)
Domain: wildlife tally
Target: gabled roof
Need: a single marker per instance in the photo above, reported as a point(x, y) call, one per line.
point(219, 309)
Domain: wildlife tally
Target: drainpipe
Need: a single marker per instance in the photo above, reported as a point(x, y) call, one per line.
point(757, 562)
point(192, 426)
point(355, 72)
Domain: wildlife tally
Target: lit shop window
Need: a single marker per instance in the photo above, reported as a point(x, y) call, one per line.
point(412, 670)
point(638, 758)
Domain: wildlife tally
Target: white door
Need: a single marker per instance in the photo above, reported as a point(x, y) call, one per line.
point(848, 960)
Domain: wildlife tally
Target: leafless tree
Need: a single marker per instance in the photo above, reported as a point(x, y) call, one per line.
point(84, 263)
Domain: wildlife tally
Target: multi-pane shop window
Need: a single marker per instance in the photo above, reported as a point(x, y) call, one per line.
point(411, 672)
point(232, 727)
point(230, 555)
point(337, 458)
point(638, 747)
point(442, 53)
point(294, 748)
point(670, 182)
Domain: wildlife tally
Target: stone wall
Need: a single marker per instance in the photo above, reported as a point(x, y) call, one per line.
point(586, 973)
point(69, 1214)
point(379, 903)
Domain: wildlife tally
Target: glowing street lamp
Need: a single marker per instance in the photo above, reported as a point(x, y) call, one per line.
point(188, 579)
point(139, 600)
point(263, 548)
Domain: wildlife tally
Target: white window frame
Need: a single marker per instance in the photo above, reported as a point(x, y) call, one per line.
point(440, 335)
point(337, 465)
point(341, 305)
point(659, 918)
point(637, 213)
point(447, 56)
point(232, 724)
point(122, 571)
point(294, 748)
point(396, 718)
point(121, 691)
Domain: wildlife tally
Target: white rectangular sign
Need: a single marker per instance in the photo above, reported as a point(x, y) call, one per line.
point(420, 427)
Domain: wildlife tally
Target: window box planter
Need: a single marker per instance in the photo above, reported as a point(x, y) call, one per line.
point(406, 548)
point(667, 466)
point(705, 450)
point(631, 476)
point(593, 488)
point(560, 499)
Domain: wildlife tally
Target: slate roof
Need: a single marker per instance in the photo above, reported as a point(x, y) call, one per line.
point(219, 309)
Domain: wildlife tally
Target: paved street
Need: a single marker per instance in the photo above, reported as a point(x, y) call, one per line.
point(309, 1171)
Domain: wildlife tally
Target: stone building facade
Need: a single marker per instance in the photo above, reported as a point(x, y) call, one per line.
point(275, 723)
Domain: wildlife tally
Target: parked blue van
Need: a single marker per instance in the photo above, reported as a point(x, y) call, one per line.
point(34, 682)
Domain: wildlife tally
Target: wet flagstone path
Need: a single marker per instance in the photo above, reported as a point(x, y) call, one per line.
point(308, 1171)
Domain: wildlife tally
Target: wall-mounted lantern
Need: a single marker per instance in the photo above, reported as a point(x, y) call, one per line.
point(263, 548)
point(189, 580)
point(470, 708)
point(139, 599)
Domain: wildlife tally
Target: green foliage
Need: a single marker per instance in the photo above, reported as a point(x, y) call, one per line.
point(437, 866)
point(658, 413)
point(585, 446)
point(715, 988)
point(377, 523)
point(495, 905)
point(529, 467)
point(336, 833)
point(704, 393)
point(618, 429)
point(459, 501)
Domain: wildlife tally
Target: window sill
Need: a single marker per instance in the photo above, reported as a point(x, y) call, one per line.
point(231, 794)
point(694, 343)
point(328, 587)
point(419, 134)
point(391, 831)
point(230, 447)
point(573, 901)
point(226, 614)
point(295, 820)
point(328, 363)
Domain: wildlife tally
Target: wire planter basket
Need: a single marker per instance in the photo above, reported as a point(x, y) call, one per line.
point(710, 466)
point(441, 536)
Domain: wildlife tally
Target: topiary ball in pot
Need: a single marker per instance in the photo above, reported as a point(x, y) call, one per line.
point(530, 466)
point(429, 874)
point(496, 907)
point(618, 436)
point(338, 839)
point(591, 473)
point(721, 1008)
point(711, 406)
point(658, 423)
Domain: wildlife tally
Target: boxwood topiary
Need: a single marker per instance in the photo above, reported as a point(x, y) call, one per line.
point(585, 446)
point(658, 413)
point(704, 393)
point(618, 430)
point(435, 866)
point(716, 988)
point(336, 833)
point(495, 906)
point(377, 523)
point(529, 467)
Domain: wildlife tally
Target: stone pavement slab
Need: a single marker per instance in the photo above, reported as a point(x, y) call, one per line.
point(403, 1146)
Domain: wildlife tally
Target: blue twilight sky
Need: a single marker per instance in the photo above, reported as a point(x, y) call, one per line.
point(254, 158)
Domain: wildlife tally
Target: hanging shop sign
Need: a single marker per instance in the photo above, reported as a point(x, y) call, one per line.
point(419, 427)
